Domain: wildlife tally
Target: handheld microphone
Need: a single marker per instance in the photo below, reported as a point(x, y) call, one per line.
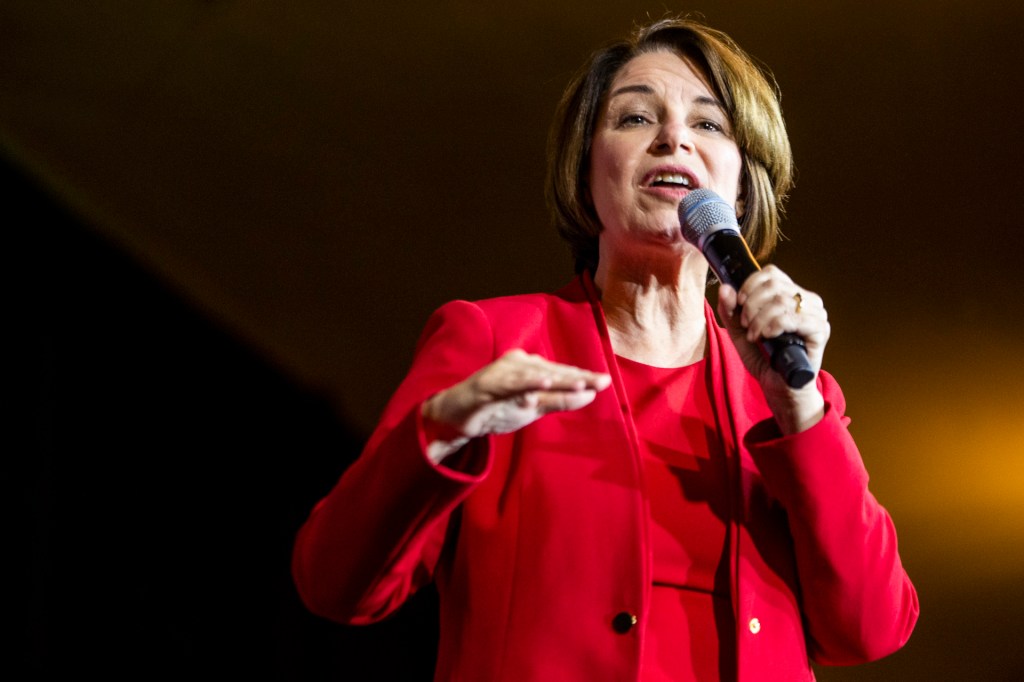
point(710, 224)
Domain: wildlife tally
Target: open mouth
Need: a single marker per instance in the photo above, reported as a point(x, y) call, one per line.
point(672, 180)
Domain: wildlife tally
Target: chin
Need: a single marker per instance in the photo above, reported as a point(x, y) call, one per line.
point(670, 234)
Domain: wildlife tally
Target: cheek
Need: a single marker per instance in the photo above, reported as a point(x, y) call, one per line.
point(610, 169)
point(728, 172)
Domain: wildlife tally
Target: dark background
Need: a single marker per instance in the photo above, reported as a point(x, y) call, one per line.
point(228, 222)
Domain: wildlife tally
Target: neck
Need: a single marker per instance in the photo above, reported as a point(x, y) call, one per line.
point(655, 309)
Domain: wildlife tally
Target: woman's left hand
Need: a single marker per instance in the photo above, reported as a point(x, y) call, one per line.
point(769, 304)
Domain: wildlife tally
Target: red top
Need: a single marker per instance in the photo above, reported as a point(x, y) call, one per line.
point(690, 625)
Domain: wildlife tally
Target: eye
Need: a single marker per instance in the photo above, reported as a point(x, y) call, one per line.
point(710, 126)
point(632, 120)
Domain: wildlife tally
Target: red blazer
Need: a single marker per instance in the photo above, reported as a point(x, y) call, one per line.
point(538, 540)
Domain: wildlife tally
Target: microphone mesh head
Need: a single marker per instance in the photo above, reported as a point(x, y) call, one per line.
point(702, 212)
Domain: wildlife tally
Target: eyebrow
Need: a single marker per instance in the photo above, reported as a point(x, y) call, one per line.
point(648, 90)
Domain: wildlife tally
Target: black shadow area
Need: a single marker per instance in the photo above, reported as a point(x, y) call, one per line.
point(160, 469)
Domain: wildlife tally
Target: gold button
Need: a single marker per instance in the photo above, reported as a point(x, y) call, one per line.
point(754, 625)
point(623, 622)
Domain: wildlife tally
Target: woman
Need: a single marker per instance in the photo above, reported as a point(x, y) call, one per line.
point(603, 482)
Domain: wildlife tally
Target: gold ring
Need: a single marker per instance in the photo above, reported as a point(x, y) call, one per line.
point(799, 301)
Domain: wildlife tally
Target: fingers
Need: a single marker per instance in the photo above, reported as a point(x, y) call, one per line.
point(768, 304)
point(727, 306)
point(518, 373)
point(771, 304)
point(545, 402)
point(515, 390)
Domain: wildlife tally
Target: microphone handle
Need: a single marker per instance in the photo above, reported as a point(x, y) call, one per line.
point(732, 263)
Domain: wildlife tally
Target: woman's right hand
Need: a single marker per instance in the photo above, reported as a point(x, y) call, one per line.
point(515, 390)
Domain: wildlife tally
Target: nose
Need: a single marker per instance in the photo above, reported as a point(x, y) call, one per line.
point(672, 135)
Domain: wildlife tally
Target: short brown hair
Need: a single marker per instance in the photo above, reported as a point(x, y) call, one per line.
point(749, 94)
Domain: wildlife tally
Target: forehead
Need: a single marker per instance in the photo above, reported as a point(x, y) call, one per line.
point(662, 70)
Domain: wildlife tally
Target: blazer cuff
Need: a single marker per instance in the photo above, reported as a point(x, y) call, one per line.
point(470, 464)
point(816, 459)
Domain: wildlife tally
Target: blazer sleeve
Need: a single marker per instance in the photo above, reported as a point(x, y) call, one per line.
point(377, 535)
point(857, 599)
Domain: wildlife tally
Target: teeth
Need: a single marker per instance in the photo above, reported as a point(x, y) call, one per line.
point(674, 178)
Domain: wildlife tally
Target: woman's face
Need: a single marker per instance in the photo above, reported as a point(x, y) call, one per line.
point(660, 133)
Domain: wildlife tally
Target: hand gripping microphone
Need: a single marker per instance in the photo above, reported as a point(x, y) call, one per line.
point(709, 223)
